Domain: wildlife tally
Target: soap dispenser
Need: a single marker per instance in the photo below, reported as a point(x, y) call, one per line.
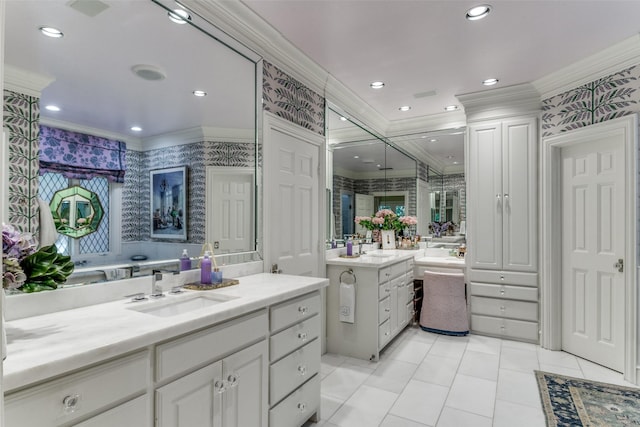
point(349, 247)
point(185, 261)
point(205, 269)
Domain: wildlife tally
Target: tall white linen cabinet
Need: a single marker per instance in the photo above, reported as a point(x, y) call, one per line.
point(502, 219)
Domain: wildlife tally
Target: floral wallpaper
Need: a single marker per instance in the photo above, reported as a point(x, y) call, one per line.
point(604, 99)
point(286, 97)
point(21, 116)
point(197, 156)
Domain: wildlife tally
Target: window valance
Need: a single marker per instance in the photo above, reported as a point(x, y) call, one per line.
point(77, 155)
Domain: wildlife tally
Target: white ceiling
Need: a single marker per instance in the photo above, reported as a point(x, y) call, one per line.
point(426, 52)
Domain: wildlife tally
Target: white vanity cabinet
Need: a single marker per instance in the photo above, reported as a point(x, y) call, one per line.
point(228, 391)
point(383, 307)
point(502, 228)
point(102, 396)
point(294, 384)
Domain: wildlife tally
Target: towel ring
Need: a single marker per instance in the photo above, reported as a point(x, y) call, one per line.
point(349, 272)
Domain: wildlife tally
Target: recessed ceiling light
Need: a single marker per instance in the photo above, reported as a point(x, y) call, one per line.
point(51, 32)
point(136, 128)
point(52, 108)
point(356, 157)
point(199, 93)
point(478, 12)
point(433, 140)
point(344, 119)
point(404, 108)
point(490, 82)
point(449, 157)
point(378, 166)
point(451, 108)
point(377, 85)
point(179, 16)
point(455, 163)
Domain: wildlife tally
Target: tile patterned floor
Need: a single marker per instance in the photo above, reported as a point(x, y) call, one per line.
point(424, 379)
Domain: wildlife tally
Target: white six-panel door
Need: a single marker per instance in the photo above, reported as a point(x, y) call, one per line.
point(294, 208)
point(230, 209)
point(593, 239)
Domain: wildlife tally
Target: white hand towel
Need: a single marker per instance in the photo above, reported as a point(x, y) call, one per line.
point(48, 232)
point(347, 302)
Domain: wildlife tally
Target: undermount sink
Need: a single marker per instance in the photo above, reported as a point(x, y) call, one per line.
point(172, 307)
point(377, 255)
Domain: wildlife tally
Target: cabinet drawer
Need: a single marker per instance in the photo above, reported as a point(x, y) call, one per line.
point(197, 349)
point(295, 310)
point(505, 308)
point(392, 271)
point(384, 308)
point(298, 407)
point(293, 337)
point(384, 333)
point(288, 373)
point(504, 291)
point(503, 277)
point(507, 328)
point(63, 400)
point(136, 412)
point(384, 290)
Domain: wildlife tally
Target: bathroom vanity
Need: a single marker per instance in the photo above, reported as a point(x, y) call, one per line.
point(383, 301)
point(245, 355)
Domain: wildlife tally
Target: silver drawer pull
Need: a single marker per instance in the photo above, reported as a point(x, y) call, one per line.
point(302, 370)
point(70, 403)
point(386, 334)
point(502, 291)
point(219, 386)
point(302, 336)
point(502, 308)
point(232, 380)
point(387, 290)
point(302, 406)
point(501, 277)
point(387, 310)
point(303, 309)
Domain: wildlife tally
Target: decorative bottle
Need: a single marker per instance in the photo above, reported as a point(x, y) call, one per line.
point(349, 247)
point(205, 269)
point(185, 261)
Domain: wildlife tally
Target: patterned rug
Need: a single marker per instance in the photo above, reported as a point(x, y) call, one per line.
point(569, 401)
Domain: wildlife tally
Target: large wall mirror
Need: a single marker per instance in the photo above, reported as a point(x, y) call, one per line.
point(178, 91)
point(442, 197)
point(368, 174)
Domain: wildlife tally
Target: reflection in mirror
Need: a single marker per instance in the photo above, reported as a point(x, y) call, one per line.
point(130, 82)
point(76, 211)
point(368, 175)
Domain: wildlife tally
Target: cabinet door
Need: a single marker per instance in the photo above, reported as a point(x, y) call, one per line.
point(245, 400)
point(485, 199)
point(402, 305)
point(519, 186)
point(393, 303)
point(193, 400)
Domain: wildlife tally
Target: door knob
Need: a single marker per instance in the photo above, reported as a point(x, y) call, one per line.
point(619, 265)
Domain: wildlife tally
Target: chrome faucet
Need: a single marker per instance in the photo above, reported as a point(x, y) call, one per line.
point(156, 276)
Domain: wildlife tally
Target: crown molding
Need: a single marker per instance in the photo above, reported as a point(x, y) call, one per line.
point(25, 82)
point(604, 63)
point(431, 123)
point(510, 101)
point(198, 134)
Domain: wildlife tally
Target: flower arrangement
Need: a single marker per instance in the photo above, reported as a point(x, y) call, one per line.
point(437, 228)
point(386, 219)
point(28, 269)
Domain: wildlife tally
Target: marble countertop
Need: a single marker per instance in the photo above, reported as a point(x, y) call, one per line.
point(41, 347)
point(448, 261)
point(375, 258)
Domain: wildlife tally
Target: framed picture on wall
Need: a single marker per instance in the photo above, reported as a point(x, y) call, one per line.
point(169, 203)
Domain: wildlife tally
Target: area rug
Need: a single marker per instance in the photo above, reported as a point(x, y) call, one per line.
point(569, 401)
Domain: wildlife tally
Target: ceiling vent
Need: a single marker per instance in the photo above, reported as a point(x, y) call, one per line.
point(90, 8)
point(425, 94)
point(149, 72)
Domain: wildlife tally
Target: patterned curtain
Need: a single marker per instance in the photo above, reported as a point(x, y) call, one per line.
point(76, 155)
